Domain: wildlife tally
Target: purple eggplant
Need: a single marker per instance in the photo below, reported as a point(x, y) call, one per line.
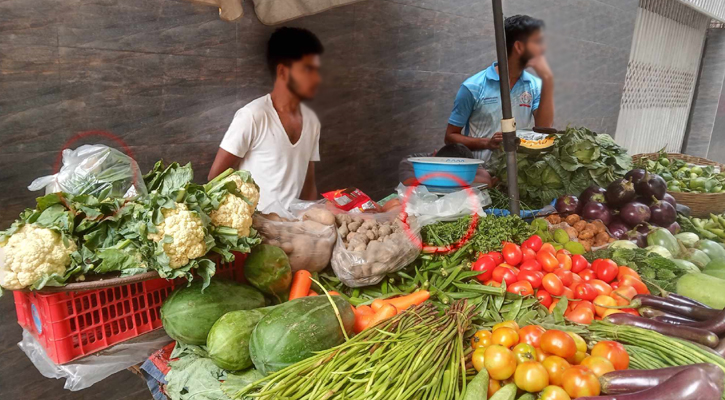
point(680, 299)
point(675, 305)
point(672, 319)
point(620, 192)
point(715, 325)
point(689, 384)
point(674, 228)
point(635, 213)
point(651, 185)
point(635, 175)
point(618, 228)
point(659, 315)
point(639, 238)
point(720, 349)
point(591, 191)
point(644, 228)
point(594, 210)
point(663, 213)
point(670, 199)
point(567, 205)
point(633, 380)
point(696, 335)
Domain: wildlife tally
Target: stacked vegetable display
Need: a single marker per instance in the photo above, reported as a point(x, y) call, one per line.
point(682, 176)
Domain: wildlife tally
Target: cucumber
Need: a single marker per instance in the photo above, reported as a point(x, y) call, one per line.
point(507, 392)
point(703, 288)
point(477, 389)
point(295, 330)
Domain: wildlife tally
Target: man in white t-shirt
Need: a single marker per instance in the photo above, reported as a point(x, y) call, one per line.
point(276, 137)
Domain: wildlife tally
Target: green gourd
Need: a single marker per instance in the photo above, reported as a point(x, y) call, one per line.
point(228, 340)
point(268, 269)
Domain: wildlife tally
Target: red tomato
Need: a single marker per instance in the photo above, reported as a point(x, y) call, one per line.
point(624, 294)
point(603, 262)
point(531, 334)
point(501, 274)
point(623, 271)
point(588, 275)
point(496, 256)
point(580, 315)
point(544, 298)
point(531, 265)
point(637, 284)
point(534, 277)
point(564, 251)
point(553, 284)
point(601, 302)
point(522, 288)
point(584, 303)
point(534, 243)
point(585, 291)
point(555, 366)
point(578, 263)
point(614, 285)
point(547, 260)
point(558, 343)
point(565, 275)
point(492, 283)
point(568, 293)
point(564, 260)
point(579, 381)
point(512, 254)
point(547, 248)
point(575, 280)
point(601, 287)
point(607, 271)
point(528, 254)
point(614, 352)
point(485, 264)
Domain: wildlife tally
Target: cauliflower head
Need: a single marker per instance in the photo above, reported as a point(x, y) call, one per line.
point(31, 253)
point(187, 231)
point(234, 212)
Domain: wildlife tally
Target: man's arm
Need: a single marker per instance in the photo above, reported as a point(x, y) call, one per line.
point(309, 188)
point(462, 109)
point(223, 161)
point(454, 134)
point(544, 114)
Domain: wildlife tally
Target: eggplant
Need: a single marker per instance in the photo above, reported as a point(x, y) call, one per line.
point(589, 192)
point(689, 384)
point(674, 305)
point(696, 335)
point(715, 325)
point(651, 185)
point(618, 228)
point(659, 315)
point(638, 238)
point(684, 300)
point(635, 213)
point(633, 380)
point(683, 210)
point(670, 199)
point(663, 213)
point(674, 228)
point(620, 192)
point(567, 205)
point(595, 210)
point(672, 319)
point(720, 349)
point(635, 175)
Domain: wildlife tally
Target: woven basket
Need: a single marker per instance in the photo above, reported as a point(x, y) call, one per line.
point(701, 204)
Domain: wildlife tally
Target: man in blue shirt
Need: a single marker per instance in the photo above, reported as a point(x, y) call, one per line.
point(476, 118)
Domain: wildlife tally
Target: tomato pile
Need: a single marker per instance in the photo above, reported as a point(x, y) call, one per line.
point(552, 362)
point(538, 269)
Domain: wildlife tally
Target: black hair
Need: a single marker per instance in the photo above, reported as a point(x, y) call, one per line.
point(455, 150)
point(291, 44)
point(520, 28)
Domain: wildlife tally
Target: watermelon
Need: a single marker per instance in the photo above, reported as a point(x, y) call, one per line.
point(295, 330)
point(268, 269)
point(188, 314)
point(228, 340)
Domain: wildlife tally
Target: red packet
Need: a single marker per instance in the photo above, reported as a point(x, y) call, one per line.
point(351, 200)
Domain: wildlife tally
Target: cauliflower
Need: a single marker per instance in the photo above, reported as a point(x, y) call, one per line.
point(187, 231)
point(31, 253)
point(234, 212)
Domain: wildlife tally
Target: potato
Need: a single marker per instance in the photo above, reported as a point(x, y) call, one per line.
point(340, 218)
point(313, 226)
point(580, 225)
point(602, 238)
point(571, 232)
point(587, 244)
point(319, 215)
point(554, 219)
point(599, 226)
point(572, 219)
point(385, 230)
point(287, 247)
point(343, 229)
point(586, 234)
point(354, 226)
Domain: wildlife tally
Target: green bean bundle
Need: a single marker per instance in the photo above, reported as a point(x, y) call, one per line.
point(417, 354)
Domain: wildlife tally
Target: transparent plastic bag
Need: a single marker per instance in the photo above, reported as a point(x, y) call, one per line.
point(430, 208)
point(387, 247)
point(307, 238)
point(98, 170)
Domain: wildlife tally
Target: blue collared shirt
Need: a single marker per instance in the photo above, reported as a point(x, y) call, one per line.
point(477, 107)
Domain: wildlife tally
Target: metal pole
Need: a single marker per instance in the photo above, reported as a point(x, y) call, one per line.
point(508, 124)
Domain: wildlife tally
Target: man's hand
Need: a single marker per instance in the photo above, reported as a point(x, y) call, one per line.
point(495, 141)
point(541, 67)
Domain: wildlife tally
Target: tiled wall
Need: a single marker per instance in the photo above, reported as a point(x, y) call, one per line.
point(706, 132)
point(167, 76)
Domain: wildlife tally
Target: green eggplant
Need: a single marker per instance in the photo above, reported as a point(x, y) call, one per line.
point(713, 250)
point(663, 237)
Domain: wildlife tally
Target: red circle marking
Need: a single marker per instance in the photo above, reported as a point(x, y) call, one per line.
point(474, 216)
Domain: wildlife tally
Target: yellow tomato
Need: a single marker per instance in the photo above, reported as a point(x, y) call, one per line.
point(505, 336)
point(500, 362)
point(524, 352)
point(581, 345)
point(555, 367)
point(506, 324)
point(481, 339)
point(598, 365)
point(554, 393)
point(531, 376)
point(477, 358)
point(493, 387)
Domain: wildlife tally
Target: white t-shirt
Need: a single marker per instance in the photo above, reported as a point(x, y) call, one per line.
point(257, 136)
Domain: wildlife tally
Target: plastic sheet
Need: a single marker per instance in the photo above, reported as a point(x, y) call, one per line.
point(87, 371)
point(97, 170)
point(429, 208)
point(382, 254)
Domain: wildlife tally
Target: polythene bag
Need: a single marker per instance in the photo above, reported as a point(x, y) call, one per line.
point(97, 170)
point(430, 208)
point(358, 267)
point(306, 233)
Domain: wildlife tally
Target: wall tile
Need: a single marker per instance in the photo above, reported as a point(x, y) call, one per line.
point(24, 25)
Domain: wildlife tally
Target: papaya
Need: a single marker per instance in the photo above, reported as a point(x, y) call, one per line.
point(267, 268)
point(295, 330)
point(188, 313)
point(228, 340)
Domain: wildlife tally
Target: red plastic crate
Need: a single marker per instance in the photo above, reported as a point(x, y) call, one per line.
point(70, 325)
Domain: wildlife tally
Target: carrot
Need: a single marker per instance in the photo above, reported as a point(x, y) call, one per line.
point(301, 284)
point(413, 299)
point(377, 304)
point(364, 310)
point(333, 293)
point(311, 293)
point(361, 322)
point(387, 311)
